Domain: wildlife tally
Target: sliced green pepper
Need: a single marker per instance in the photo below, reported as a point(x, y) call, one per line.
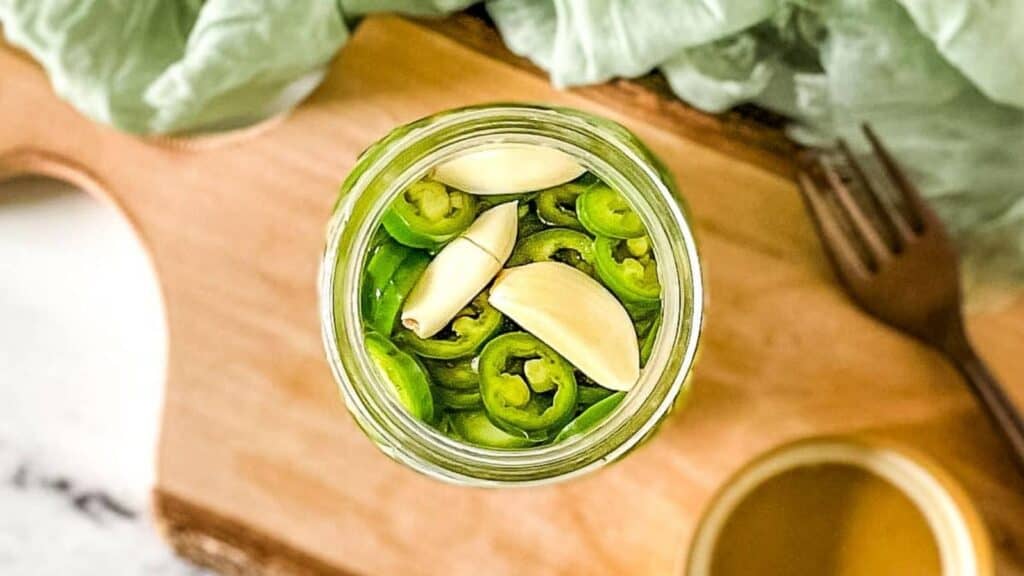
point(628, 268)
point(384, 262)
point(557, 206)
point(559, 244)
point(451, 432)
point(454, 374)
point(444, 425)
point(527, 388)
point(529, 223)
point(642, 315)
point(465, 334)
point(409, 382)
point(590, 417)
point(366, 289)
point(643, 319)
point(647, 344)
point(458, 399)
point(492, 200)
point(428, 214)
point(385, 308)
point(380, 236)
point(476, 428)
point(604, 212)
point(588, 395)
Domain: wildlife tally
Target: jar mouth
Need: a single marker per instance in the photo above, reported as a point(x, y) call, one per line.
point(604, 148)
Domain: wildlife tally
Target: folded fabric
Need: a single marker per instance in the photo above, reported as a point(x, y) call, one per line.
point(593, 41)
point(941, 80)
point(178, 65)
point(982, 38)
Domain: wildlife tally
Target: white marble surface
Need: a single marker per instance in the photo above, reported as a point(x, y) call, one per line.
point(82, 356)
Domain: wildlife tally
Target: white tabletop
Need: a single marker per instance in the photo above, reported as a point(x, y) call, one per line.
point(82, 358)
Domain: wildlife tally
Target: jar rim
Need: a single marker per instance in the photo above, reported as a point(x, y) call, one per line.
point(406, 154)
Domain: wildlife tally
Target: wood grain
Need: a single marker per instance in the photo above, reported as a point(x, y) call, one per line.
point(261, 470)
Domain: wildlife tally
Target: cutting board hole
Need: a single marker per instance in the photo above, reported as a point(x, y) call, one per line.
point(82, 373)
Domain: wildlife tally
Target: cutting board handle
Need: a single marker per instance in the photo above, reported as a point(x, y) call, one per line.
point(36, 162)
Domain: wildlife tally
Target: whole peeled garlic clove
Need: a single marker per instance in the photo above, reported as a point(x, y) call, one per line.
point(575, 315)
point(461, 270)
point(495, 231)
point(508, 169)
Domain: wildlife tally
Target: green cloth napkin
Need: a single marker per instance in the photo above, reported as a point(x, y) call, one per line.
point(178, 65)
point(941, 80)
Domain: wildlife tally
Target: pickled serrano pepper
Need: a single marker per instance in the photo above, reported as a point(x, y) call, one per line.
point(428, 214)
point(643, 315)
point(557, 206)
point(559, 244)
point(527, 388)
point(589, 392)
point(647, 344)
point(588, 395)
point(604, 212)
point(470, 329)
point(490, 200)
point(384, 262)
point(458, 399)
point(409, 381)
point(590, 417)
point(379, 238)
point(455, 374)
point(387, 302)
point(475, 427)
point(628, 268)
point(529, 223)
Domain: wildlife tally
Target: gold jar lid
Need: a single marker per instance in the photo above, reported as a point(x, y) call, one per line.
point(962, 543)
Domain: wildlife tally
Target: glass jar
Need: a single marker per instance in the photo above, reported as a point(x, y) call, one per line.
point(405, 155)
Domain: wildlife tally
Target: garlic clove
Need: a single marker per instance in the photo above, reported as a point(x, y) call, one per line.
point(574, 314)
point(508, 169)
point(495, 230)
point(457, 274)
point(460, 271)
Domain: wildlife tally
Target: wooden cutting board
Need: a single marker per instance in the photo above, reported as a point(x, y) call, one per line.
point(262, 471)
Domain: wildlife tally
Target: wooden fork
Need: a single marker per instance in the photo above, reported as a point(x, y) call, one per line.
point(898, 264)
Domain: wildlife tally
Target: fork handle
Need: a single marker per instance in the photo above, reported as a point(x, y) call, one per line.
point(990, 393)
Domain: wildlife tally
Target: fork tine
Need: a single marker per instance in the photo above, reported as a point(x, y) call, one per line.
point(893, 219)
point(863, 228)
point(844, 255)
point(916, 206)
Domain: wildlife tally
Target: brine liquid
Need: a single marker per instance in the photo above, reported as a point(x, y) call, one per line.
point(826, 520)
